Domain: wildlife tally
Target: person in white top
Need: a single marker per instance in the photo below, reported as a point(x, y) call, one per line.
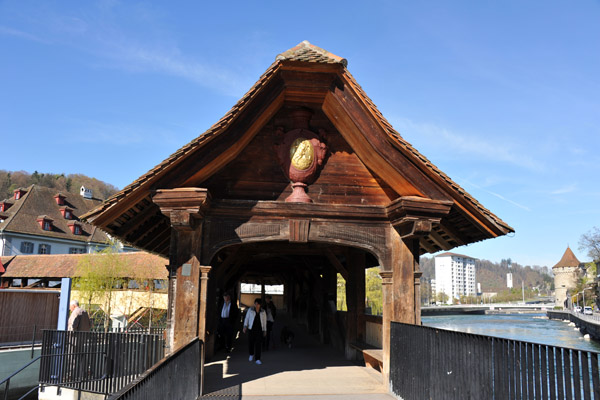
point(256, 323)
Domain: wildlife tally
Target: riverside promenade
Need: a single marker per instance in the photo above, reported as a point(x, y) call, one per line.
point(308, 370)
point(587, 324)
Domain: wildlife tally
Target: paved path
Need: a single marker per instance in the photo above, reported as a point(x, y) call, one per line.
point(308, 370)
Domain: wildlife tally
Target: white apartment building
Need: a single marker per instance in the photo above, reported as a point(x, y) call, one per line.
point(455, 275)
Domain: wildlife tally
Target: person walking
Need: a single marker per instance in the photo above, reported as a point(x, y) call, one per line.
point(255, 324)
point(229, 313)
point(79, 319)
point(271, 314)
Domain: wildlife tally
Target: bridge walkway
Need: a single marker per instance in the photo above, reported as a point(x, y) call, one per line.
point(307, 370)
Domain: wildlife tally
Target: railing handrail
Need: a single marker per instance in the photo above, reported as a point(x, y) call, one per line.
point(499, 337)
point(98, 362)
point(7, 380)
point(436, 363)
point(148, 374)
point(21, 369)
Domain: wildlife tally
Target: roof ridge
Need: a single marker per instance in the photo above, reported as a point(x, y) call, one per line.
point(301, 51)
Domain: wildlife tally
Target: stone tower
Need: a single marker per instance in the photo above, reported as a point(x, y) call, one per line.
point(566, 272)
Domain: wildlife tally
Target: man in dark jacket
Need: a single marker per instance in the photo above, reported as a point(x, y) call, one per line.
point(79, 319)
point(227, 319)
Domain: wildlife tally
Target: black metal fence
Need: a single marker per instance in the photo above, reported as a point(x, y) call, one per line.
point(96, 362)
point(177, 376)
point(432, 363)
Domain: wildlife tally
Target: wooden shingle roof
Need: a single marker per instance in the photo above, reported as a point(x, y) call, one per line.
point(128, 204)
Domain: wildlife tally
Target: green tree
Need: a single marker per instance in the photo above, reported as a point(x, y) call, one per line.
point(442, 298)
point(97, 275)
point(373, 291)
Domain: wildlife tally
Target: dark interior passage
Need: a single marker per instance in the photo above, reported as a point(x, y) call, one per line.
point(308, 273)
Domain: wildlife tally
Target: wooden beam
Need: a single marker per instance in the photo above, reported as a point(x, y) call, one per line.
point(439, 240)
point(159, 239)
point(353, 134)
point(237, 272)
point(235, 253)
point(452, 233)
point(235, 148)
point(133, 223)
point(336, 263)
point(163, 247)
point(428, 247)
point(151, 235)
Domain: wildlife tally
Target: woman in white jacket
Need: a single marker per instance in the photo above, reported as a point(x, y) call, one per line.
point(257, 328)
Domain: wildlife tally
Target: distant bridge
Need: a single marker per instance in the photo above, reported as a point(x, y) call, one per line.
point(484, 308)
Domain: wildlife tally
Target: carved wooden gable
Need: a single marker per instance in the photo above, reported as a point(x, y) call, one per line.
point(256, 174)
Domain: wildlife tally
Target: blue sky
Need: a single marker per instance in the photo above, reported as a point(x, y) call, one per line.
point(502, 96)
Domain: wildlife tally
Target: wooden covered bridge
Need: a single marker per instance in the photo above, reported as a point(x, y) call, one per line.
point(302, 179)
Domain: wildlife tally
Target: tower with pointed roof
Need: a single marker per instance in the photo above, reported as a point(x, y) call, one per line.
point(566, 272)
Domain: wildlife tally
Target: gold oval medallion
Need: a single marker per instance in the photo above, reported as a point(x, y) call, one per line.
point(302, 153)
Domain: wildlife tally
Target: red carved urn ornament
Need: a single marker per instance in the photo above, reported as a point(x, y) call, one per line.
point(301, 154)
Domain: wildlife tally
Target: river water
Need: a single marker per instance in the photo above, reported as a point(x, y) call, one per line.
point(533, 328)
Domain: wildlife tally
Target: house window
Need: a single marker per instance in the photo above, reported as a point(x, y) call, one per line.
point(44, 249)
point(75, 250)
point(67, 214)
point(77, 230)
point(26, 247)
point(46, 226)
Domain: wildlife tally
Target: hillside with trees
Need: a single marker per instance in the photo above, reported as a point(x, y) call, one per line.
point(11, 180)
point(537, 280)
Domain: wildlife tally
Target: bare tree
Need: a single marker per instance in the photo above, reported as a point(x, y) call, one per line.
point(590, 241)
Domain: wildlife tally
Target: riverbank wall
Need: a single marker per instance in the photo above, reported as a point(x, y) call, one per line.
point(587, 324)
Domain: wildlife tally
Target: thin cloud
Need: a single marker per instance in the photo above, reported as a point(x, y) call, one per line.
point(4, 30)
point(468, 144)
point(514, 203)
point(565, 189)
point(114, 47)
point(171, 62)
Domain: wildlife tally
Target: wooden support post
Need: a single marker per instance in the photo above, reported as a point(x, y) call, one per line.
point(212, 316)
point(357, 262)
point(203, 302)
point(403, 279)
point(187, 303)
point(388, 310)
point(352, 305)
point(417, 273)
point(185, 207)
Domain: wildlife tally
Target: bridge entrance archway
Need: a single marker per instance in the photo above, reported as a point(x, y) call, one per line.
point(308, 274)
point(303, 161)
